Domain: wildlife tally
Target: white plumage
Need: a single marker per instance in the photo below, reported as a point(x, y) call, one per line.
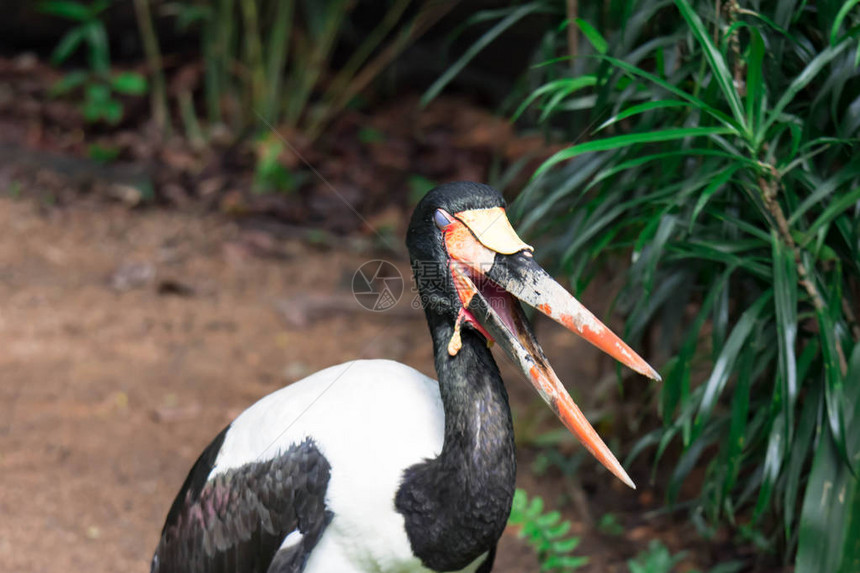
point(371, 419)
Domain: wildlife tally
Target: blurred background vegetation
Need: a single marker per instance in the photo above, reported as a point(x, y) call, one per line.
point(702, 153)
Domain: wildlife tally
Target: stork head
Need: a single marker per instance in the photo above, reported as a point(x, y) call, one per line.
point(473, 271)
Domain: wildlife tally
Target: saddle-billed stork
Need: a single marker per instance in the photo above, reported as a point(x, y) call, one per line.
point(373, 466)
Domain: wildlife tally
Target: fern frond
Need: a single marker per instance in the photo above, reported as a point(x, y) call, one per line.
point(546, 532)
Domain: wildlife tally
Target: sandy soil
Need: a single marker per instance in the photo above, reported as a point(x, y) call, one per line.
point(128, 339)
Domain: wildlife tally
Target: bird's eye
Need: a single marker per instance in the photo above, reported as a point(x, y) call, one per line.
point(442, 219)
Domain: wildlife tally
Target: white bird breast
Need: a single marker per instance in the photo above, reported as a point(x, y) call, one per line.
point(371, 419)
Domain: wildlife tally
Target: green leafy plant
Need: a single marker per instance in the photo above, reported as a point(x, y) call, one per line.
point(608, 523)
point(89, 30)
point(271, 58)
point(549, 457)
point(268, 62)
point(269, 173)
point(546, 532)
point(102, 153)
point(98, 84)
point(503, 19)
point(656, 559)
point(724, 169)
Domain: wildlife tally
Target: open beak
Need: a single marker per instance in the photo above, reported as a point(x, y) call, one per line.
point(491, 268)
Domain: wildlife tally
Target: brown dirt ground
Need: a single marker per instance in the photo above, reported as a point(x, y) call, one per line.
point(112, 385)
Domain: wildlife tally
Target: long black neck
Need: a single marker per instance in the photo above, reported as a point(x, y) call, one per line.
point(456, 505)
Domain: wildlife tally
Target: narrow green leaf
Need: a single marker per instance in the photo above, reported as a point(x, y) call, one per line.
point(785, 303)
point(851, 547)
point(593, 36)
point(807, 75)
point(69, 82)
point(774, 454)
point(840, 17)
point(626, 140)
point(707, 251)
point(596, 223)
point(558, 97)
point(691, 338)
point(473, 50)
point(655, 250)
point(689, 458)
point(834, 397)
point(720, 320)
point(740, 224)
point(566, 545)
point(803, 158)
point(652, 438)
point(755, 82)
point(836, 208)
point(682, 153)
point(646, 235)
point(567, 85)
point(533, 211)
point(726, 361)
point(828, 521)
point(800, 450)
point(67, 46)
point(671, 88)
point(129, 83)
point(99, 50)
point(718, 182)
point(733, 449)
point(823, 189)
point(65, 9)
point(641, 108)
point(716, 61)
point(733, 29)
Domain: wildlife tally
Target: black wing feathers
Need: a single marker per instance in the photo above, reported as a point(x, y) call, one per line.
point(236, 522)
point(196, 479)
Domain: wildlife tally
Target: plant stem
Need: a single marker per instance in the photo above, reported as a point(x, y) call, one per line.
point(769, 189)
point(279, 46)
point(341, 81)
point(223, 46)
point(189, 118)
point(321, 42)
point(253, 53)
point(158, 95)
point(572, 32)
point(212, 83)
point(430, 13)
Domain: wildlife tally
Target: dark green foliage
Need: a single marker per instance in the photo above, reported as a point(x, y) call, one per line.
point(270, 59)
point(98, 84)
point(656, 559)
point(717, 153)
point(269, 172)
point(89, 30)
point(102, 153)
point(546, 532)
point(268, 62)
point(609, 525)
